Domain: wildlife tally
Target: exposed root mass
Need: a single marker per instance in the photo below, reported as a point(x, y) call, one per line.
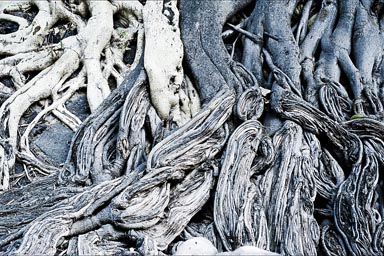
point(220, 127)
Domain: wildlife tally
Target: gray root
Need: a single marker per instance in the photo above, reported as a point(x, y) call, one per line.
point(282, 155)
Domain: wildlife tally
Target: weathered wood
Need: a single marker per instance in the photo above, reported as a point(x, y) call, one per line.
point(284, 152)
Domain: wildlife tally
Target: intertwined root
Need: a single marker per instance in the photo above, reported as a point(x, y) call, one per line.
point(87, 58)
point(143, 204)
point(267, 160)
point(250, 152)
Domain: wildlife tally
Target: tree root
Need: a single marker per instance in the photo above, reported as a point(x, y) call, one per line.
point(56, 63)
point(283, 153)
point(249, 153)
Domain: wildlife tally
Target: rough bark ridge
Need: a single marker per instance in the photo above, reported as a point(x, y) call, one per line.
point(220, 127)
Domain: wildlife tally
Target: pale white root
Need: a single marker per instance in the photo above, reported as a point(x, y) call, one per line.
point(42, 88)
point(16, 66)
point(114, 53)
point(96, 35)
point(164, 67)
point(132, 11)
point(65, 116)
point(58, 104)
point(31, 37)
point(27, 50)
point(10, 6)
point(14, 107)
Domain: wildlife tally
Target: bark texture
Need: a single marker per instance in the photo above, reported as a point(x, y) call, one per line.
point(207, 127)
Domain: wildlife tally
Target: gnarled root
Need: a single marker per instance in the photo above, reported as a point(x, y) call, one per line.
point(31, 49)
point(249, 152)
